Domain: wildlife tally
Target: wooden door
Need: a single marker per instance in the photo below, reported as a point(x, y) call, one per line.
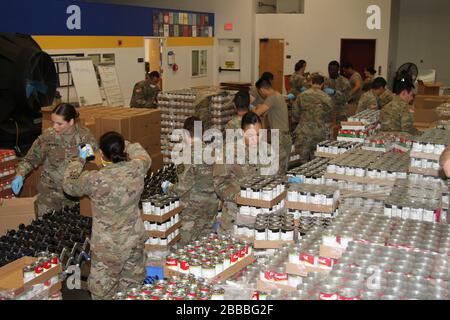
point(271, 59)
point(359, 52)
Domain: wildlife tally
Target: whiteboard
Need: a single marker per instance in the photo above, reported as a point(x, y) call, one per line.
point(85, 80)
point(110, 84)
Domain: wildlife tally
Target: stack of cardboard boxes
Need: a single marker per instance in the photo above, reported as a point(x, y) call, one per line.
point(136, 125)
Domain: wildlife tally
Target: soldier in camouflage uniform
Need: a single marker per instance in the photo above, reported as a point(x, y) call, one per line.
point(228, 178)
point(397, 115)
point(54, 149)
point(255, 97)
point(145, 93)
point(342, 89)
point(196, 190)
point(384, 98)
point(276, 109)
point(118, 233)
point(314, 109)
point(377, 97)
point(356, 82)
point(369, 77)
point(298, 80)
point(242, 104)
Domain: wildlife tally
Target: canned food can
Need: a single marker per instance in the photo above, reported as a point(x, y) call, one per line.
point(348, 294)
point(328, 292)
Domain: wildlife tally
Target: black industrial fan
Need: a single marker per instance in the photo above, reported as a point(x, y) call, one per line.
point(28, 82)
point(408, 72)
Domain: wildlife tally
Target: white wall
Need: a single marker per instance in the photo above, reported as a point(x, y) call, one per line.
point(315, 36)
point(393, 42)
point(424, 34)
point(129, 71)
point(182, 78)
point(239, 12)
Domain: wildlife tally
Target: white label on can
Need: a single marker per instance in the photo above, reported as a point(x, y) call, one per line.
point(287, 236)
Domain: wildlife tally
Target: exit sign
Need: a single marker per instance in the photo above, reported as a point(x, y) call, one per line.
point(228, 26)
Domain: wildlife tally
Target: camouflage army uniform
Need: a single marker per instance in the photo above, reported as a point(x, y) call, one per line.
point(196, 190)
point(386, 97)
point(314, 110)
point(235, 123)
point(228, 179)
point(297, 81)
point(396, 116)
point(118, 233)
point(54, 151)
point(368, 101)
point(367, 85)
point(255, 94)
point(353, 79)
point(342, 89)
point(144, 95)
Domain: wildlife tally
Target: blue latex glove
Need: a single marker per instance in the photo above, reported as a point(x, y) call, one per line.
point(291, 96)
point(329, 91)
point(17, 184)
point(166, 186)
point(303, 89)
point(295, 180)
point(82, 153)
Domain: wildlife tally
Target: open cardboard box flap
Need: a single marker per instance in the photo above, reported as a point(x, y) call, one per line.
point(11, 275)
point(16, 211)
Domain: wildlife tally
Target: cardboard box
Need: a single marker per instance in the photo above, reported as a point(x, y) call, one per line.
point(152, 247)
point(157, 162)
point(112, 123)
point(429, 88)
point(299, 269)
point(161, 219)
point(260, 244)
point(425, 108)
point(16, 211)
point(228, 273)
point(260, 203)
point(165, 234)
point(145, 124)
point(30, 184)
point(266, 286)
point(311, 207)
point(11, 277)
point(85, 207)
point(151, 143)
point(331, 252)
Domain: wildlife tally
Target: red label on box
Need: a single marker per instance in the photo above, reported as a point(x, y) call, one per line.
point(268, 275)
point(308, 258)
point(280, 276)
point(184, 265)
point(327, 262)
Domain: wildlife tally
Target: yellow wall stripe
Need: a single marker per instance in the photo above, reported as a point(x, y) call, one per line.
point(88, 42)
point(189, 42)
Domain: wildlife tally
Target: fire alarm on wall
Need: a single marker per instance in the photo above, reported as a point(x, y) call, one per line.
point(228, 26)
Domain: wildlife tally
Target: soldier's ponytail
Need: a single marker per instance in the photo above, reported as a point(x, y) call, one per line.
point(112, 145)
point(66, 111)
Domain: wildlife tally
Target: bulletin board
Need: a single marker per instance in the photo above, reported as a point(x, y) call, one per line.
point(182, 24)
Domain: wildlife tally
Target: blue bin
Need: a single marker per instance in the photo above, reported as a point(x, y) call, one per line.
point(154, 273)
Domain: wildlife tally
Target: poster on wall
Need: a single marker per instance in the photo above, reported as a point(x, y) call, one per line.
point(182, 24)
